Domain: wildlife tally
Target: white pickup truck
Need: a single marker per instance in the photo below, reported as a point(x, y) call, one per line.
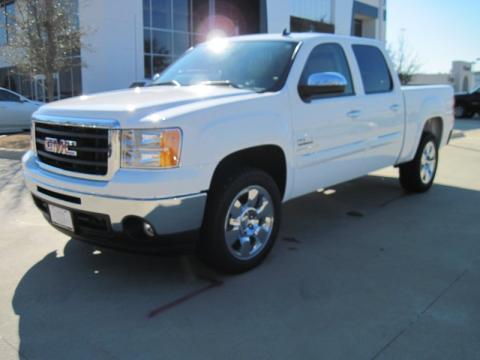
point(226, 134)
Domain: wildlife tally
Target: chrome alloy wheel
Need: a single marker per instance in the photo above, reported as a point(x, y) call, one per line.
point(428, 162)
point(249, 222)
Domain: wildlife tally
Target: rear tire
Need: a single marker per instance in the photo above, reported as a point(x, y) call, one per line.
point(418, 175)
point(241, 221)
point(460, 111)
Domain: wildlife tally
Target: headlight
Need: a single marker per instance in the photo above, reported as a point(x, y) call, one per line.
point(151, 149)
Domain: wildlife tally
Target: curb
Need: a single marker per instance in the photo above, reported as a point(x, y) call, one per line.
point(458, 134)
point(14, 150)
point(11, 154)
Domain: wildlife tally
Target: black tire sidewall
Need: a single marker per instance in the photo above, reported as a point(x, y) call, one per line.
point(410, 173)
point(463, 111)
point(213, 247)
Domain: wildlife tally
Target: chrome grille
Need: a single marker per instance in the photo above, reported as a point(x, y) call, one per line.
point(91, 148)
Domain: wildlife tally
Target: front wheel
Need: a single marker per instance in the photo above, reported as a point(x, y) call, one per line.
point(241, 221)
point(419, 174)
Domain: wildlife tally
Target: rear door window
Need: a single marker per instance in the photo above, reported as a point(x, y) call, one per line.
point(375, 73)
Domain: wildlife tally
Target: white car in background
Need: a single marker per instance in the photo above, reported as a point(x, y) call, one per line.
point(15, 111)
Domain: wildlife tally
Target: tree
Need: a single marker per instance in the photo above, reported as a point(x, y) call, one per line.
point(44, 38)
point(406, 62)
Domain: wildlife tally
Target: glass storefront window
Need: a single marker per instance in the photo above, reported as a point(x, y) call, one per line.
point(168, 31)
point(7, 12)
point(161, 42)
point(172, 26)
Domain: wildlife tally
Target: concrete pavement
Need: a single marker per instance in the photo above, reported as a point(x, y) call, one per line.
point(364, 272)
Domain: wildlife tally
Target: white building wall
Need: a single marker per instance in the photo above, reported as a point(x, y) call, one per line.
point(463, 77)
point(317, 10)
point(114, 51)
point(278, 15)
point(431, 79)
point(342, 16)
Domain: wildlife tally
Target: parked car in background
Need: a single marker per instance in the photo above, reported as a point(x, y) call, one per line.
point(467, 104)
point(224, 136)
point(15, 111)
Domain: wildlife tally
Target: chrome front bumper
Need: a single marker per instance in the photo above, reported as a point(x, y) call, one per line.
point(167, 215)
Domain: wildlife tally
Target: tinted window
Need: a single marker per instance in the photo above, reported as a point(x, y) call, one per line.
point(328, 58)
point(7, 96)
point(374, 69)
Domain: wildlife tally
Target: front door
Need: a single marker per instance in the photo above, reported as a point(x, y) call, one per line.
point(330, 133)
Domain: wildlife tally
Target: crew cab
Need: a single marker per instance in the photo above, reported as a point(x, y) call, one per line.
point(467, 104)
point(226, 134)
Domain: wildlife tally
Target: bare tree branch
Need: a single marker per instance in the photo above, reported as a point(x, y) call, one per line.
point(44, 39)
point(407, 63)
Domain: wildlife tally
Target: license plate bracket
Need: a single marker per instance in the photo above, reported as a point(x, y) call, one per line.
point(61, 217)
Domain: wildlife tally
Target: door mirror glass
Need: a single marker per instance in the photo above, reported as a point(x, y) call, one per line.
point(327, 83)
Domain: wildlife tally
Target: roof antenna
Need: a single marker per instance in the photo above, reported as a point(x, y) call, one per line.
point(285, 32)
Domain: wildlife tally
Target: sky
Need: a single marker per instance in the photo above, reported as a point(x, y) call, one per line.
point(436, 31)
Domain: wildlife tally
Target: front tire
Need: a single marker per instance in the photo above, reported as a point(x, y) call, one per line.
point(241, 221)
point(418, 175)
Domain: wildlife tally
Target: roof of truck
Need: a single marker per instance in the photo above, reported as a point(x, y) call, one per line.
point(302, 37)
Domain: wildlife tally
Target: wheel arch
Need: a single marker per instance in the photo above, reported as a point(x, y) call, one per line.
point(269, 158)
point(434, 126)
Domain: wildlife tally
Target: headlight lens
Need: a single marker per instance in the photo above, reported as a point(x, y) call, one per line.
point(151, 149)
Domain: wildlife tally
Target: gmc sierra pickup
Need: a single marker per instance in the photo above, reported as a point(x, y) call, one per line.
point(226, 134)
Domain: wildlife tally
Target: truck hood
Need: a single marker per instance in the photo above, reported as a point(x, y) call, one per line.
point(137, 103)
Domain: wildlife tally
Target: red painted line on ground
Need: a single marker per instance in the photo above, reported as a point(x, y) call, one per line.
point(213, 284)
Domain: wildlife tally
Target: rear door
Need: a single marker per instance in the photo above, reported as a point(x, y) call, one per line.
point(382, 107)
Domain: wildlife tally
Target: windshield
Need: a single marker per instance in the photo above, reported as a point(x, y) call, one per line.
point(254, 65)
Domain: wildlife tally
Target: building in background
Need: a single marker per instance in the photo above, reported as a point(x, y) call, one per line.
point(461, 78)
point(132, 40)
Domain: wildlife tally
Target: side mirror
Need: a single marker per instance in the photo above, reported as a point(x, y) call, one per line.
point(327, 83)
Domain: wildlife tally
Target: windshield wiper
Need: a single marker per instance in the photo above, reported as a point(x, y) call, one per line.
point(166, 83)
point(221, 83)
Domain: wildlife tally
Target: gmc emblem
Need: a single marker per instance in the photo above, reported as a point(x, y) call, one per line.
point(60, 146)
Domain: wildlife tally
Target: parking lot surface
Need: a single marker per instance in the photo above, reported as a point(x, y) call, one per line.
point(361, 271)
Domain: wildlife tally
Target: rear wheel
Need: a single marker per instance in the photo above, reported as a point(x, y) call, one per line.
point(419, 174)
point(242, 221)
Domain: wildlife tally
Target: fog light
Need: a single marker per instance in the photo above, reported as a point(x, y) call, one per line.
point(148, 229)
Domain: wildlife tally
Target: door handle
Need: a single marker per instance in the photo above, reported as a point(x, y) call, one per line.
point(304, 141)
point(354, 114)
point(395, 107)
